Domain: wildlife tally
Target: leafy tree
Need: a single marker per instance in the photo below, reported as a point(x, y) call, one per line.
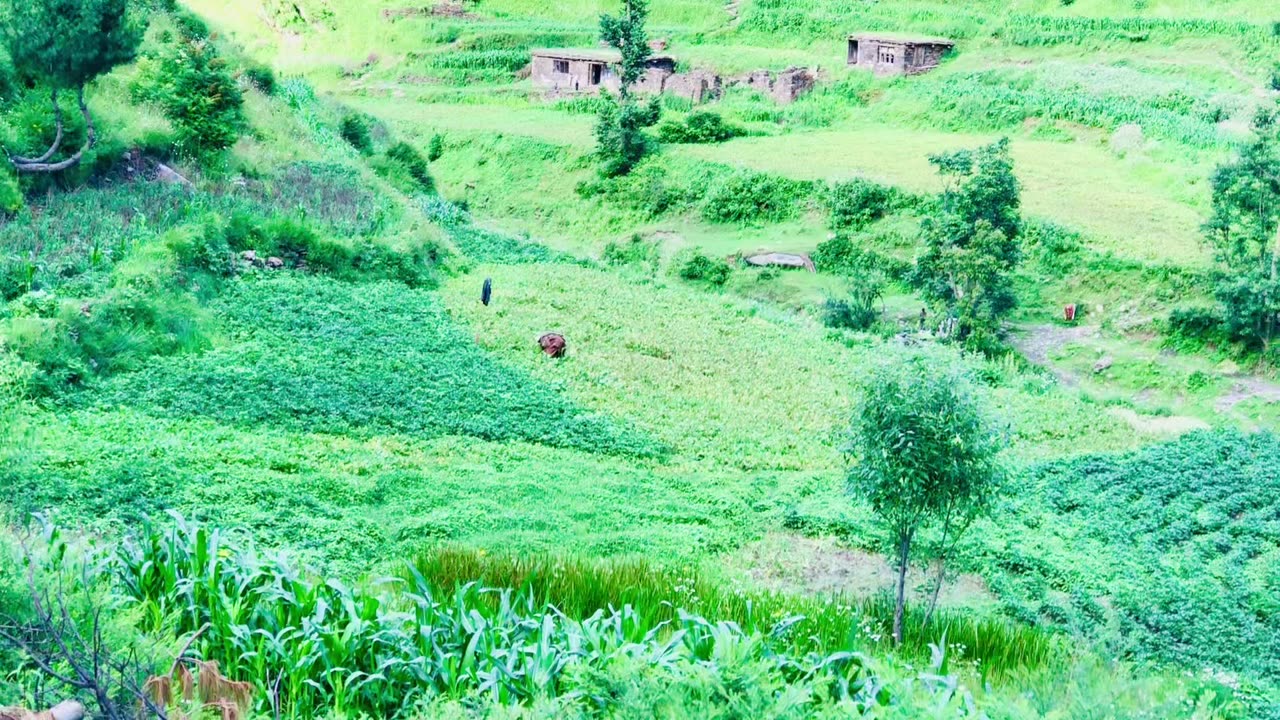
point(620, 138)
point(65, 45)
point(192, 84)
point(1244, 232)
point(972, 242)
point(924, 454)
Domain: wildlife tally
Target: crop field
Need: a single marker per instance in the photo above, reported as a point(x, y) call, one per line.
point(274, 393)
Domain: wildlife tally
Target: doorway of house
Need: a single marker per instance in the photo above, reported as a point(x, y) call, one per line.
point(597, 72)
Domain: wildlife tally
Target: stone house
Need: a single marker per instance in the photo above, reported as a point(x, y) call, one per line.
point(588, 71)
point(897, 54)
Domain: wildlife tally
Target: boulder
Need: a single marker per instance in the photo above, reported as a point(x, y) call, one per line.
point(275, 263)
point(781, 260)
point(1103, 365)
point(166, 174)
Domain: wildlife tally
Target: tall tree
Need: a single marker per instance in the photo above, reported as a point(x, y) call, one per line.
point(972, 242)
point(620, 138)
point(64, 45)
point(1244, 232)
point(924, 453)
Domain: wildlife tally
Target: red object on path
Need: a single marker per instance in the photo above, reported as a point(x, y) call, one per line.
point(1070, 312)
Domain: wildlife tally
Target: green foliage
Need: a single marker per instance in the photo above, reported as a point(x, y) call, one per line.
point(261, 77)
point(384, 649)
point(67, 45)
point(635, 250)
point(856, 204)
point(973, 243)
point(924, 452)
point(409, 161)
point(696, 266)
point(626, 34)
point(843, 255)
point(859, 312)
point(698, 128)
point(191, 83)
point(621, 142)
point(1244, 232)
point(1187, 561)
point(747, 197)
point(354, 128)
point(308, 339)
point(11, 199)
point(435, 148)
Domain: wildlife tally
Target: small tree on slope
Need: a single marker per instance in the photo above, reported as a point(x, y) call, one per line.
point(620, 137)
point(64, 45)
point(1244, 232)
point(924, 454)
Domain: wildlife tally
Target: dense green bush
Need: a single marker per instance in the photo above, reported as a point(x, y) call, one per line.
point(412, 165)
point(261, 77)
point(698, 127)
point(859, 311)
point(635, 250)
point(435, 148)
point(746, 197)
point(11, 199)
point(842, 255)
point(694, 265)
point(192, 84)
point(855, 204)
point(354, 128)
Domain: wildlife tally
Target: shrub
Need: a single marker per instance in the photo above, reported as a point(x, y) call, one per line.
point(407, 158)
point(1196, 325)
point(698, 127)
point(859, 312)
point(694, 265)
point(354, 128)
point(190, 26)
point(633, 251)
point(11, 199)
point(745, 196)
point(190, 82)
point(261, 77)
point(858, 203)
point(1275, 79)
point(841, 255)
point(435, 148)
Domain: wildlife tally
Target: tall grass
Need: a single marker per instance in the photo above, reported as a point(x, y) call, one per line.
point(579, 588)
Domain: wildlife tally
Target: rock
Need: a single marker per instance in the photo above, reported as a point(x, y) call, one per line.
point(249, 256)
point(275, 263)
point(166, 174)
point(1228, 368)
point(1127, 138)
point(553, 344)
point(781, 260)
point(1103, 365)
point(68, 710)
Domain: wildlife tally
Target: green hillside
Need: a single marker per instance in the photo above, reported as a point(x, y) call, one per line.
point(247, 374)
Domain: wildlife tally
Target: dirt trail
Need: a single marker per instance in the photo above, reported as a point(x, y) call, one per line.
point(1037, 342)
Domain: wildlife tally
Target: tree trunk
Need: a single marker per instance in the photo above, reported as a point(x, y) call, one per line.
point(91, 138)
point(942, 566)
point(904, 556)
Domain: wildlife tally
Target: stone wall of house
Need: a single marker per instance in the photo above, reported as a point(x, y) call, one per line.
point(544, 74)
point(698, 85)
point(925, 58)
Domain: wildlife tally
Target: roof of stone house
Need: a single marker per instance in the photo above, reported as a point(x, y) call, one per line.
point(605, 55)
point(902, 38)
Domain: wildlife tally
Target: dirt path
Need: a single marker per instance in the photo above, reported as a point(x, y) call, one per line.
point(1038, 341)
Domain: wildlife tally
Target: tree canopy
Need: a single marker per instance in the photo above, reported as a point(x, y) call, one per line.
point(924, 451)
point(66, 44)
